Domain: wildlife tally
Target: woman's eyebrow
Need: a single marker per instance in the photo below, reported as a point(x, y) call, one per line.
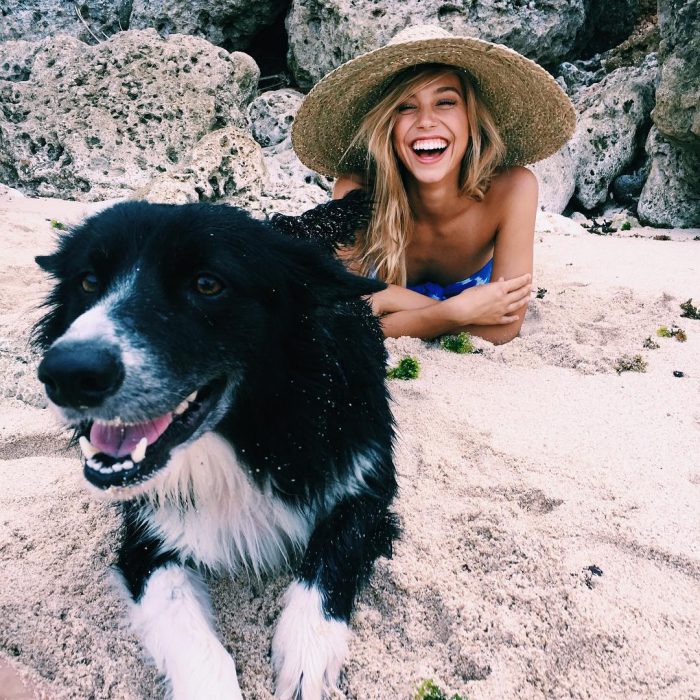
point(448, 88)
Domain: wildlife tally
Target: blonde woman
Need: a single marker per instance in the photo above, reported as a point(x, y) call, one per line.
point(436, 128)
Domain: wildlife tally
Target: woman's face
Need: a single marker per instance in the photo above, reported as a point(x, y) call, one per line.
point(430, 132)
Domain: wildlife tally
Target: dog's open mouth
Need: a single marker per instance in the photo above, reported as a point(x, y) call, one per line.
point(119, 453)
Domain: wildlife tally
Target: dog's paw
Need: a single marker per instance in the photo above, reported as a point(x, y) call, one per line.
point(308, 649)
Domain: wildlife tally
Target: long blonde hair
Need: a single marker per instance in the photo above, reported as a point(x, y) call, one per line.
point(380, 250)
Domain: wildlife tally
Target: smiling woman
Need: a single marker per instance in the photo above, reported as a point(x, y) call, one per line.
point(437, 129)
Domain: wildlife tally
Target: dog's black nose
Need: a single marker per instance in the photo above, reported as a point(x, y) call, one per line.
point(80, 374)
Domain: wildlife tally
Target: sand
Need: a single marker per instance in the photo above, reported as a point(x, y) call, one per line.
point(550, 505)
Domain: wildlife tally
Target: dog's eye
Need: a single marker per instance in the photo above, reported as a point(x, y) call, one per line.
point(208, 285)
point(89, 283)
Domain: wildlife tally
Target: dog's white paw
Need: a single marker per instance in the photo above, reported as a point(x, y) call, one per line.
point(174, 622)
point(308, 649)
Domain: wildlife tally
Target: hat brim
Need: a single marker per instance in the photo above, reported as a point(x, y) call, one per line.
point(533, 114)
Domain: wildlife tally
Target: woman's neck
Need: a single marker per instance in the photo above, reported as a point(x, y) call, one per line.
point(437, 201)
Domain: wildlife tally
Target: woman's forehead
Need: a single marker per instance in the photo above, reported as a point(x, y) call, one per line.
point(434, 82)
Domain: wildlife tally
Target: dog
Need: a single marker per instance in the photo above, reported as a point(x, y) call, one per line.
point(226, 383)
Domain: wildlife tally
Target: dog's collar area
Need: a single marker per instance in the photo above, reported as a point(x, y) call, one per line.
point(133, 452)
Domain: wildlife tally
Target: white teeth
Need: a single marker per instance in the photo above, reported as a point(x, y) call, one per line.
point(95, 466)
point(181, 408)
point(429, 144)
point(88, 449)
point(139, 452)
point(106, 470)
point(192, 396)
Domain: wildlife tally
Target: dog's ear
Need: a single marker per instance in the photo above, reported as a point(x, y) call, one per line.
point(48, 263)
point(323, 279)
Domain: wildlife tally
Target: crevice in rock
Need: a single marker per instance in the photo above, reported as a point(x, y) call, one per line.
point(269, 49)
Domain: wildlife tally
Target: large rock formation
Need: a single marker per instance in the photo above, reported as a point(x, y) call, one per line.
point(671, 195)
point(96, 122)
point(611, 115)
point(325, 33)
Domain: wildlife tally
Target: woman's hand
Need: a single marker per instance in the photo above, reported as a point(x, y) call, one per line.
point(495, 303)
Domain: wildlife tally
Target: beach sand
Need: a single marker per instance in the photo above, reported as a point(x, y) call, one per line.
point(550, 506)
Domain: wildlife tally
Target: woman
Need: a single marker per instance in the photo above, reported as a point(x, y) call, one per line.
point(437, 128)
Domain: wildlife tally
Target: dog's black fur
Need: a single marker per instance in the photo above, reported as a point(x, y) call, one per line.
point(153, 302)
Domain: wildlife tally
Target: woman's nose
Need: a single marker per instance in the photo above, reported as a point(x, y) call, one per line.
point(426, 117)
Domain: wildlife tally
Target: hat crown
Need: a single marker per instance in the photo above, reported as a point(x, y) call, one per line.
point(419, 32)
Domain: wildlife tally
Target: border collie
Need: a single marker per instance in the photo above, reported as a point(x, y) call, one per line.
point(226, 383)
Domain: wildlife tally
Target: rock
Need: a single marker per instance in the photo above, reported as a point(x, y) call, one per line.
point(228, 23)
point(225, 166)
point(97, 122)
point(677, 111)
point(627, 188)
point(7, 194)
point(671, 194)
point(291, 188)
point(611, 114)
point(325, 33)
point(272, 114)
point(95, 20)
point(580, 74)
point(557, 179)
point(17, 59)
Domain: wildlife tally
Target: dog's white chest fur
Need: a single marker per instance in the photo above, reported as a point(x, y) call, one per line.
point(206, 507)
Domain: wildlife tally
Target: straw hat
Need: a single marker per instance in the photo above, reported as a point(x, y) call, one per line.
point(534, 115)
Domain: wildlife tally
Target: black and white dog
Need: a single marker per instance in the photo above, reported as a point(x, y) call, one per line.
point(226, 382)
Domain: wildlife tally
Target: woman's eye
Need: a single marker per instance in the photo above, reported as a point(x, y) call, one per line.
point(208, 285)
point(90, 283)
point(447, 103)
point(405, 108)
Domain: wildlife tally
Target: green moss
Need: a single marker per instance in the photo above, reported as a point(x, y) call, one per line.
point(626, 226)
point(57, 225)
point(631, 364)
point(460, 343)
point(408, 368)
point(429, 691)
point(690, 311)
point(673, 332)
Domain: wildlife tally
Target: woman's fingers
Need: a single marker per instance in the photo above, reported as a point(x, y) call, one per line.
point(516, 282)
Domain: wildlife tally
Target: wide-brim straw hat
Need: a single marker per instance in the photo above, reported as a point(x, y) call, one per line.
point(533, 114)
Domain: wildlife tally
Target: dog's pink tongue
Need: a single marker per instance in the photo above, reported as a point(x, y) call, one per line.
point(120, 440)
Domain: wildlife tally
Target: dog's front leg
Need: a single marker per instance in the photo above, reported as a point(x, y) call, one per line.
point(311, 639)
point(171, 614)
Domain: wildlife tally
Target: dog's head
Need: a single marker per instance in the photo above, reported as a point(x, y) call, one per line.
point(157, 314)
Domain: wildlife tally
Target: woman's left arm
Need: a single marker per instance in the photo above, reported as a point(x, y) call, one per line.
point(513, 249)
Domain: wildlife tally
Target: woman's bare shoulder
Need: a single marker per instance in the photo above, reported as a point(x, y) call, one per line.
point(517, 181)
point(347, 183)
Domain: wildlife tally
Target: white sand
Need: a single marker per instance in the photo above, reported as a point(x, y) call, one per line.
point(519, 468)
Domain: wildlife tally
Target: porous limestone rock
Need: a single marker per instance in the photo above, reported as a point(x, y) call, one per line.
point(325, 33)
point(88, 20)
point(225, 166)
point(677, 111)
point(290, 187)
point(671, 194)
point(97, 122)
point(272, 114)
point(229, 23)
point(17, 59)
point(556, 176)
point(611, 115)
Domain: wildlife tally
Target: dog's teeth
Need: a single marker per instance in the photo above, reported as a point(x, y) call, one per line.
point(192, 396)
point(117, 467)
point(139, 452)
point(106, 470)
point(126, 466)
point(88, 449)
point(93, 464)
point(181, 408)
